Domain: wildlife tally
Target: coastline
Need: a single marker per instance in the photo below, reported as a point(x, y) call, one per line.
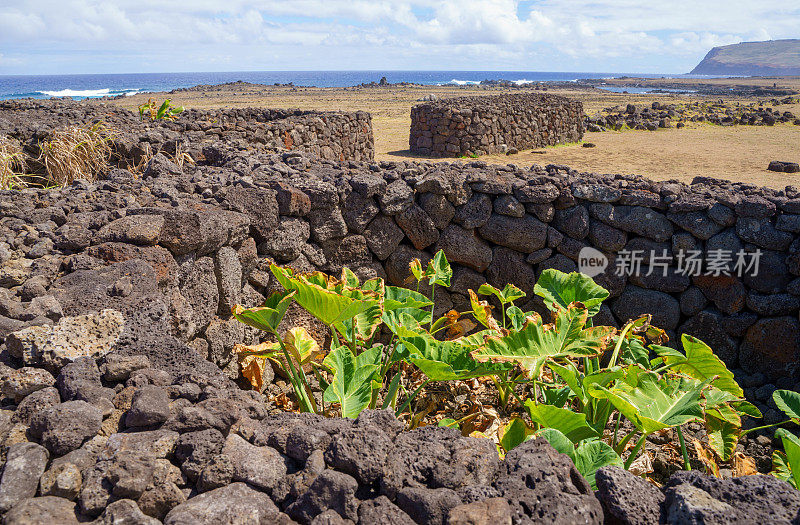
point(740, 153)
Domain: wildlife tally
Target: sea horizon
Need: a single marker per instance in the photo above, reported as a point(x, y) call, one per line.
point(87, 85)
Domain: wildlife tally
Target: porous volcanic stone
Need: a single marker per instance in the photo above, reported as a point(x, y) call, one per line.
point(46, 510)
point(25, 463)
point(54, 346)
point(628, 498)
point(64, 427)
point(150, 406)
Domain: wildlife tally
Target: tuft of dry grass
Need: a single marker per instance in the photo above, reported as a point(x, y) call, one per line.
point(77, 152)
point(12, 165)
point(180, 158)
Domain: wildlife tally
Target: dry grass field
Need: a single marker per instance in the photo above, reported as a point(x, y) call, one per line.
point(739, 153)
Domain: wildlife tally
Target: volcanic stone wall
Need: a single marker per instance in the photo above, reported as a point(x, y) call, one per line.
point(210, 232)
point(115, 312)
point(494, 124)
point(329, 135)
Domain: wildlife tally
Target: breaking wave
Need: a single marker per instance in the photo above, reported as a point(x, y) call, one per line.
point(90, 93)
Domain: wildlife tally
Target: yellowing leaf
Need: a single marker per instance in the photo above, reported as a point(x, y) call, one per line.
point(302, 347)
point(253, 359)
point(705, 457)
point(482, 311)
point(743, 465)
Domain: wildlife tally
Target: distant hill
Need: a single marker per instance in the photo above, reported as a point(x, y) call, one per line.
point(773, 57)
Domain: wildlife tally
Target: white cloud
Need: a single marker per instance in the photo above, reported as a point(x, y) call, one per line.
point(345, 34)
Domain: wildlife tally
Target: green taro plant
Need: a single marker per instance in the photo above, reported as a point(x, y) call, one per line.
point(558, 377)
point(165, 111)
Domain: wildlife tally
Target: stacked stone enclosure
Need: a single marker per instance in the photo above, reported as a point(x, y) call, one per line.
point(471, 126)
point(158, 425)
point(338, 136)
point(243, 207)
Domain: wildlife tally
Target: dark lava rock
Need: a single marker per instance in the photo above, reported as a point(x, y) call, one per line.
point(428, 506)
point(692, 497)
point(195, 450)
point(330, 490)
point(46, 510)
point(261, 467)
point(380, 510)
point(25, 463)
point(150, 406)
point(64, 427)
point(124, 511)
point(438, 457)
point(360, 452)
point(628, 498)
point(236, 503)
point(543, 486)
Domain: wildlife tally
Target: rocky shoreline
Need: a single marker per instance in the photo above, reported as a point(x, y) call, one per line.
point(121, 398)
point(661, 116)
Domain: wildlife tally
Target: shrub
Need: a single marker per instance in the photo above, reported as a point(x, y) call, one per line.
point(77, 152)
point(166, 111)
point(568, 381)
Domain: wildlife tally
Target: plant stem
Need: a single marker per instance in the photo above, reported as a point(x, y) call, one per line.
point(616, 428)
point(620, 448)
point(617, 347)
point(301, 389)
point(635, 451)
point(502, 391)
point(510, 389)
point(411, 398)
point(765, 426)
point(684, 452)
point(433, 301)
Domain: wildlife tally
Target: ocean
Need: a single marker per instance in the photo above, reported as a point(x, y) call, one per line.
point(87, 86)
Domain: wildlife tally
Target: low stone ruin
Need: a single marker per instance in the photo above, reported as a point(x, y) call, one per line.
point(472, 126)
point(658, 115)
point(120, 400)
point(335, 136)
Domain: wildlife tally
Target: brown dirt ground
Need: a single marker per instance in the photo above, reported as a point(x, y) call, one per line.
point(739, 153)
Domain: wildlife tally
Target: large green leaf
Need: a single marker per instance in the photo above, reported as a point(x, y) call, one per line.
point(633, 351)
point(700, 363)
point(592, 455)
point(791, 445)
point(334, 302)
point(268, 316)
point(558, 441)
point(326, 305)
point(556, 397)
point(514, 434)
point(536, 343)
point(399, 301)
point(571, 424)
point(443, 360)
point(570, 374)
point(507, 295)
point(781, 469)
point(722, 436)
point(655, 404)
point(589, 456)
point(517, 317)
point(562, 289)
point(789, 402)
point(718, 403)
point(439, 270)
point(351, 386)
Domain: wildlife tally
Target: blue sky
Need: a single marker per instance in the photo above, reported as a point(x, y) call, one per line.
point(129, 36)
